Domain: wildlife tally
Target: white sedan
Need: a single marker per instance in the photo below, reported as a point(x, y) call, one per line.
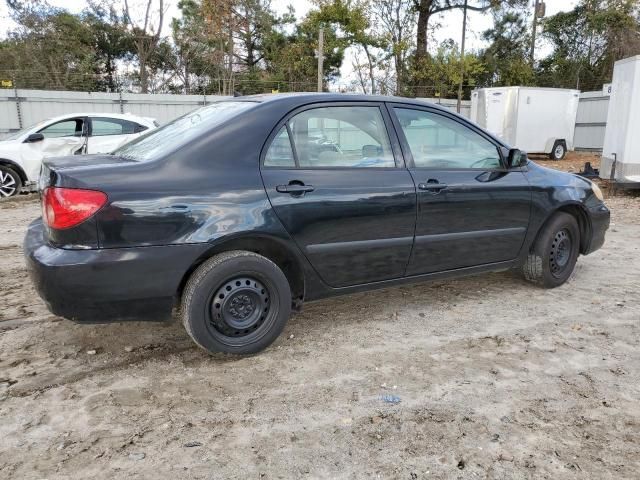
point(22, 153)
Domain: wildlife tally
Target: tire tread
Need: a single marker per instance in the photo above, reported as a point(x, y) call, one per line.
point(199, 275)
point(533, 268)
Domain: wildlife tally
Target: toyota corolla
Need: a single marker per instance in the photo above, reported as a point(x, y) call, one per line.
point(235, 214)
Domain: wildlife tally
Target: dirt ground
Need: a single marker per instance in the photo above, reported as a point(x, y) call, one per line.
point(572, 162)
point(484, 377)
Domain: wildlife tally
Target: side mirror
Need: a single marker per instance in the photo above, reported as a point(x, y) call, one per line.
point(516, 158)
point(34, 137)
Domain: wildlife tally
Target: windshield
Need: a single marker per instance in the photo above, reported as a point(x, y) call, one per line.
point(19, 133)
point(181, 131)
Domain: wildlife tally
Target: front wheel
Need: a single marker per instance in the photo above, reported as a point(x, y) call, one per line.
point(10, 182)
point(555, 252)
point(236, 302)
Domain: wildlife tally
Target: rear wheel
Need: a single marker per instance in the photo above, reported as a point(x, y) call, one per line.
point(236, 302)
point(555, 252)
point(10, 182)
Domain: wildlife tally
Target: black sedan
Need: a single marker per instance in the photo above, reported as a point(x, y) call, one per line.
point(239, 212)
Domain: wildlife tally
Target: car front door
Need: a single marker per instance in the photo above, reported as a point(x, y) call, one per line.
point(61, 138)
point(336, 181)
point(106, 134)
point(472, 210)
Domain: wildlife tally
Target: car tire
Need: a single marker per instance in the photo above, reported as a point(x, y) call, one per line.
point(10, 182)
point(555, 252)
point(236, 302)
point(558, 151)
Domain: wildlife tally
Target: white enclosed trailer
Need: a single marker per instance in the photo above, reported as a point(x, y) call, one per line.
point(535, 120)
point(621, 150)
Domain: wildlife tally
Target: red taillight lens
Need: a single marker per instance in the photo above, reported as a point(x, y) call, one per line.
point(67, 207)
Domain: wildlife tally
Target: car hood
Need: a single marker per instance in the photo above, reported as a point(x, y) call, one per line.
point(9, 143)
point(558, 177)
point(8, 147)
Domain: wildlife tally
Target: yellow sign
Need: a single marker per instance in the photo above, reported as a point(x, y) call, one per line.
point(6, 83)
point(275, 90)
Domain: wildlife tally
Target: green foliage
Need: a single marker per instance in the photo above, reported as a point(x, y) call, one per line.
point(506, 57)
point(111, 42)
point(226, 46)
point(292, 58)
point(443, 71)
point(197, 52)
point(51, 47)
point(587, 41)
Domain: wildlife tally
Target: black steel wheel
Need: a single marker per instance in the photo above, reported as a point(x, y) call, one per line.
point(560, 253)
point(555, 252)
point(236, 302)
point(239, 307)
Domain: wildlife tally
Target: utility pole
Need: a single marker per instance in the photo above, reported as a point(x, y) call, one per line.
point(464, 31)
point(538, 11)
point(320, 57)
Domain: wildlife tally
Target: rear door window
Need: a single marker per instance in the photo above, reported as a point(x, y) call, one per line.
point(101, 127)
point(280, 153)
point(341, 136)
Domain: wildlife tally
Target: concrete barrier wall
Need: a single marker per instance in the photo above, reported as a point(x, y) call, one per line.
point(23, 108)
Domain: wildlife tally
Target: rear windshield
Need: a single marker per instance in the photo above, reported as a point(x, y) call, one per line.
point(181, 131)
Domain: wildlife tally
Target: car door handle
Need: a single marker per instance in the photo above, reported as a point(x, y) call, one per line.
point(432, 186)
point(294, 188)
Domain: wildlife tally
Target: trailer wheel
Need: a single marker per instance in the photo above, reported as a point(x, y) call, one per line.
point(559, 150)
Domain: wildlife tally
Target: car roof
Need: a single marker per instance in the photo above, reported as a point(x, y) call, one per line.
point(302, 98)
point(121, 116)
point(290, 101)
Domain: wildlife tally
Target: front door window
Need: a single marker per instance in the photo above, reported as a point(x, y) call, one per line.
point(66, 128)
point(437, 141)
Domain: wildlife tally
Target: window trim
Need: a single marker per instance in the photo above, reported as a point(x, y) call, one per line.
point(406, 149)
point(85, 127)
point(387, 121)
point(291, 147)
point(294, 152)
point(114, 120)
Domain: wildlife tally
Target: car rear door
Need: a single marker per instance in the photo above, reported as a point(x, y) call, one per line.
point(107, 133)
point(472, 210)
point(336, 180)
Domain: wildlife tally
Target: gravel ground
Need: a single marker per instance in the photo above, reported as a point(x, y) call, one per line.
point(484, 377)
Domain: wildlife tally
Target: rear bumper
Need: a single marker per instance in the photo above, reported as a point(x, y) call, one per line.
point(107, 285)
point(600, 219)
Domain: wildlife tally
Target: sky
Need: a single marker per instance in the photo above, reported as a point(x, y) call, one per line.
point(451, 23)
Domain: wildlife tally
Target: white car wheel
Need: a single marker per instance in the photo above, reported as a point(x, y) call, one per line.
point(10, 182)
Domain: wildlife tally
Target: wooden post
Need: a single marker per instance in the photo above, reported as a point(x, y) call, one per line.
point(464, 31)
point(17, 98)
point(533, 32)
point(320, 58)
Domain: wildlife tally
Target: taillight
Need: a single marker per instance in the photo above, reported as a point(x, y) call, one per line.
point(67, 207)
